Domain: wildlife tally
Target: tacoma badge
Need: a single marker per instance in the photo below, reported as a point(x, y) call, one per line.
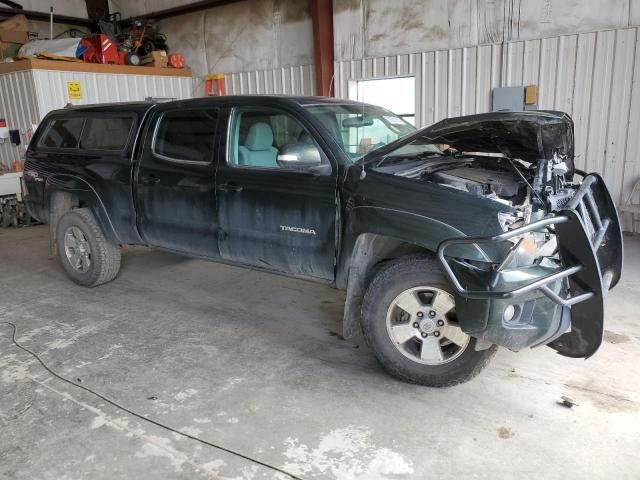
point(308, 231)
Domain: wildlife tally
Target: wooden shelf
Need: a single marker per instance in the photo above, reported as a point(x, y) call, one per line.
point(37, 64)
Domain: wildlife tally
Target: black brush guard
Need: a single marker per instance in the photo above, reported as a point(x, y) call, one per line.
point(590, 248)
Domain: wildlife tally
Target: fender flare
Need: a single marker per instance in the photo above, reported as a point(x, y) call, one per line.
point(371, 248)
point(87, 195)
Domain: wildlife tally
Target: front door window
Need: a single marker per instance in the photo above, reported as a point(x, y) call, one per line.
point(274, 140)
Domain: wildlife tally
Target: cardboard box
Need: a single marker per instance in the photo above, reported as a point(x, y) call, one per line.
point(531, 95)
point(13, 36)
point(157, 58)
point(13, 30)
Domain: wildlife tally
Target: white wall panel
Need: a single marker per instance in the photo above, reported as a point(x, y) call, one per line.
point(20, 112)
point(51, 88)
point(631, 169)
point(297, 80)
point(592, 76)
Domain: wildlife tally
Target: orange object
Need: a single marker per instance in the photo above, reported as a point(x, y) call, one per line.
point(17, 166)
point(176, 60)
point(214, 85)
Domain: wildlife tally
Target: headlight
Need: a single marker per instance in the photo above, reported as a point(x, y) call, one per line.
point(530, 248)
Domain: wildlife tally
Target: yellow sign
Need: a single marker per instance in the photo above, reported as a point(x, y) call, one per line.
point(74, 90)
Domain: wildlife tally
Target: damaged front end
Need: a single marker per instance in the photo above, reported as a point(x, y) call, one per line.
point(574, 277)
point(560, 234)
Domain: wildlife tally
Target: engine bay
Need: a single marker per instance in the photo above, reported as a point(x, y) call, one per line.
point(480, 181)
point(517, 184)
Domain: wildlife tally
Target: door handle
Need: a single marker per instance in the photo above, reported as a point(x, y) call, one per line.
point(149, 180)
point(230, 187)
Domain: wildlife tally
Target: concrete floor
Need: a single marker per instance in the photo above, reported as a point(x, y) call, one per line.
point(248, 360)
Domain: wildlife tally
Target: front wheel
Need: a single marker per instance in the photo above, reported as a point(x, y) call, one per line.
point(409, 321)
point(87, 256)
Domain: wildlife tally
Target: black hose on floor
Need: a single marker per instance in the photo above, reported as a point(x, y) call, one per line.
point(140, 416)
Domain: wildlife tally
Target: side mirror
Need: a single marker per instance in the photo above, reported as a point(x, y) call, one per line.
point(299, 156)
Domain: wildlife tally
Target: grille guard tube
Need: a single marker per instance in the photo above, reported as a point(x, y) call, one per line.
point(487, 294)
point(589, 237)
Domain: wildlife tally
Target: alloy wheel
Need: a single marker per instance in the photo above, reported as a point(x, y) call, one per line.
point(77, 249)
point(422, 325)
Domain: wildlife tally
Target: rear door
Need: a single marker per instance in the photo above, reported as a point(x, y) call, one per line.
point(276, 195)
point(175, 182)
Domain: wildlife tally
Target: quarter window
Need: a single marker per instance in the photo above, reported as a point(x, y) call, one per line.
point(63, 133)
point(186, 135)
point(106, 133)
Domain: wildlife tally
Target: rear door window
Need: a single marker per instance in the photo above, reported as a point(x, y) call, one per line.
point(106, 133)
point(186, 135)
point(63, 133)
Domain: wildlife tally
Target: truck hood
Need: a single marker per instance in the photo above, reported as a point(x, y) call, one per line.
point(530, 135)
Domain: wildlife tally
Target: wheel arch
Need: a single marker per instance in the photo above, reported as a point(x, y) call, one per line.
point(66, 192)
point(370, 252)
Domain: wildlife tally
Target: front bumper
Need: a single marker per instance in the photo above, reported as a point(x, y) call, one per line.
point(561, 307)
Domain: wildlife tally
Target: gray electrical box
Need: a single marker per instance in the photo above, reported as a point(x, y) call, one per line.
point(508, 99)
point(515, 99)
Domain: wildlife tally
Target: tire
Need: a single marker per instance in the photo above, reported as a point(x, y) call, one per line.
point(385, 325)
point(6, 218)
point(132, 58)
point(146, 48)
point(103, 256)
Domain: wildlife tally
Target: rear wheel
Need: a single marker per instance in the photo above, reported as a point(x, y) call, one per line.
point(409, 321)
point(87, 256)
point(6, 215)
point(6, 218)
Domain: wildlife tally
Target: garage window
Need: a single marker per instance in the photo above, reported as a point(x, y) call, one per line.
point(186, 135)
point(63, 133)
point(397, 94)
point(106, 133)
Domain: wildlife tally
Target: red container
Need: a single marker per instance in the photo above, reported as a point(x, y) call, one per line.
point(100, 49)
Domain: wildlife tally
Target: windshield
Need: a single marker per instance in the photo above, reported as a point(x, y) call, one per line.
point(360, 129)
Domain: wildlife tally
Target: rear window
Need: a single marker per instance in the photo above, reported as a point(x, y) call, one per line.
point(106, 133)
point(186, 135)
point(63, 133)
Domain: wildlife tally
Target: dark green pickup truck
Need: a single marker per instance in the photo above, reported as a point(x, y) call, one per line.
point(473, 233)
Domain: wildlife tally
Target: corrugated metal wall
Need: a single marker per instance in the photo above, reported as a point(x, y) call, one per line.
point(102, 87)
point(595, 77)
point(297, 80)
point(19, 110)
point(27, 96)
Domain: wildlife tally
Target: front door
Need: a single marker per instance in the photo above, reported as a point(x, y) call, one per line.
point(175, 182)
point(276, 195)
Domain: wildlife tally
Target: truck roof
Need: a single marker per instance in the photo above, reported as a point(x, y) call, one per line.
point(141, 107)
point(108, 107)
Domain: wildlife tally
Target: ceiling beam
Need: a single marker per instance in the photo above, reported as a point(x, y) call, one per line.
point(188, 8)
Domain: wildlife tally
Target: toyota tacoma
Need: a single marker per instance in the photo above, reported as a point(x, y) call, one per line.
point(451, 240)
